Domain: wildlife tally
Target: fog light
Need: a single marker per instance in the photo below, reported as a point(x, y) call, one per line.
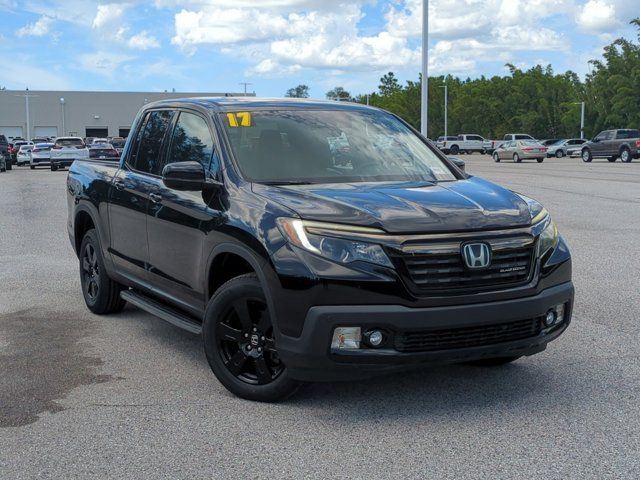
point(550, 318)
point(375, 338)
point(346, 338)
point(559, 313)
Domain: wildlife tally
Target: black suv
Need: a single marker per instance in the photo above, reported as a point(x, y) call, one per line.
point(612, 144)
point(314, 241)
point(5, 157)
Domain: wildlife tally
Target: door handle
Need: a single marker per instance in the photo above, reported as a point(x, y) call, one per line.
point(119, 184)
point(155, 197)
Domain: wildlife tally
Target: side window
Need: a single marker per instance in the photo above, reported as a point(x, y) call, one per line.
point(192, 141)
point(150, 142)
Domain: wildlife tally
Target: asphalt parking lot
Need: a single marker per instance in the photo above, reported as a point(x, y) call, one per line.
point(129, 396)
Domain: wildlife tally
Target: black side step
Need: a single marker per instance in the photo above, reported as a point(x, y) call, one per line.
point(162, 311)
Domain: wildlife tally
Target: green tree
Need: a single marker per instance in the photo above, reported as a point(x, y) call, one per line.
point(301, 91)
point(339, 94)
point(389, 84)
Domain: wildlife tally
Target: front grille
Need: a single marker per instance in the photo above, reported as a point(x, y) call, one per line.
point(438, 272)
point(464, 337)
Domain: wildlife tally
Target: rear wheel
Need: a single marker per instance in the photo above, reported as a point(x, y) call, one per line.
point(54, 168)
point(516, 158)
point(539, 160)
point(455, 150)
point(239, 341)
point(559, 153)
point(586, 155)
point(101, 294)
point(493, 362)
point(32, 167)
point(496, 157)
point(625, 155)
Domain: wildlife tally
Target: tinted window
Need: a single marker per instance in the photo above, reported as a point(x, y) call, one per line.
point(150, 142)
point(607, 135)
point(192, 141)
point(329, 146)
point(628, 134)
point(69, 142)
point(523, 137)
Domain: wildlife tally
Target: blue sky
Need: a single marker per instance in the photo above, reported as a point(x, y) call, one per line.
point(213, 45)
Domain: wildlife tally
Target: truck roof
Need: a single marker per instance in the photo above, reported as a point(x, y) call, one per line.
point(235, 103)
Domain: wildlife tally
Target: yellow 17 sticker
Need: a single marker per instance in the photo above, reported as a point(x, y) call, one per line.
point(239, 119)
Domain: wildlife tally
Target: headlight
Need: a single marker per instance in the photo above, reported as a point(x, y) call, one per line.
point(333, 248)
point(548, 238)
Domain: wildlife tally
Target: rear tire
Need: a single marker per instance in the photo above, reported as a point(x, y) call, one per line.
point(101, 294)
point(559, 153)
point(586, 155)
point(454, 150)
point(496, 158)
point(54, 168)
point(493, 362)
point(239, 342)
point(539, 160)
point(625, 155)
point(516, 158)
point(32, 167)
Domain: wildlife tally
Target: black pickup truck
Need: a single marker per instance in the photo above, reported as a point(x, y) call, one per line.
point(623, 143)
point(314, 241)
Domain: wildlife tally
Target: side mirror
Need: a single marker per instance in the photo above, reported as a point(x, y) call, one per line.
point(595, 140)
point(458, 162)
point(187, 176)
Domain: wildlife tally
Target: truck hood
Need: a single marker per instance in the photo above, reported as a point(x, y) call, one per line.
point(410, 207)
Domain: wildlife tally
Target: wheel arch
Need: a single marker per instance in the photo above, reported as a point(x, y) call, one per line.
point(83, 221)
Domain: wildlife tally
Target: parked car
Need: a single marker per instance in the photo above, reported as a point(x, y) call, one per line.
point(518, 150)
point(16, 147)
point(118, 144)
point(517, 136)
point(66, 150)
point(4, 151)
point(103, 151)
point(548, 141)
point(442, 141)
point(611, 144)
point(40, 140)
point(294, 269)
point(464, 143)
point(491, 145)
point(24, 155)
point(3, 162)
point(560, 148)
point(99, 140)
point(41, 155)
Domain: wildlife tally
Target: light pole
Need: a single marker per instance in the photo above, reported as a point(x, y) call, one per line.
point(245, 86)
point(62, 107)
point(26, 96)
point(445, 108)
point(581, 118)
point(424, 112)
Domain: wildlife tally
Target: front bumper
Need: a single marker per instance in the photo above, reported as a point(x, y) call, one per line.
point(309, 357)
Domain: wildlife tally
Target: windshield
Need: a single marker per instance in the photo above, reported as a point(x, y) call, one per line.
point(329, 146)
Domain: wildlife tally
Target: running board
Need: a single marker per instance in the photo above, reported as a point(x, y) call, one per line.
point(162, 311)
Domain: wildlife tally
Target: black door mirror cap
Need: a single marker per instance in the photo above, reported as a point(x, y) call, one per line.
point(188, 176)
point(458, 162)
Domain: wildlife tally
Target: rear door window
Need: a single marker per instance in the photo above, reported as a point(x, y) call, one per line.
point(150, 138)
point(624, 134)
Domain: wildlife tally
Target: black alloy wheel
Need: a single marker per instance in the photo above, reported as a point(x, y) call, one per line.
point(246, 344)
point(91, 273)
point(240, 342)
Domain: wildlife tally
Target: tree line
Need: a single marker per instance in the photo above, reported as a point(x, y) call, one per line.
point(537, 101)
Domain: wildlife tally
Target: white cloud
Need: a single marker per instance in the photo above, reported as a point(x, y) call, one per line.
point(143, 41)
point(597, 16)
point(103, 62)
point(108, 13)
point(36, 29)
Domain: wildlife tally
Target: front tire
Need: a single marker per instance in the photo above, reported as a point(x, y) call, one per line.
point(559, 153)
point(586, 155)
point(454, 150)
point(239, 342)
point(54, 168)
point(516, 158)
point(612, 159)
point(496, 158)
point(101, 294)
point(32, 167)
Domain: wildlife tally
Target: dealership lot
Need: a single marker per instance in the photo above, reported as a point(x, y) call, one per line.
point(130, 396)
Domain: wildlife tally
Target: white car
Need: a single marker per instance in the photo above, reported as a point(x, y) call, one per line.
point(23, 156)
point(66, 150)
point(562, 147)
point(41, 155)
